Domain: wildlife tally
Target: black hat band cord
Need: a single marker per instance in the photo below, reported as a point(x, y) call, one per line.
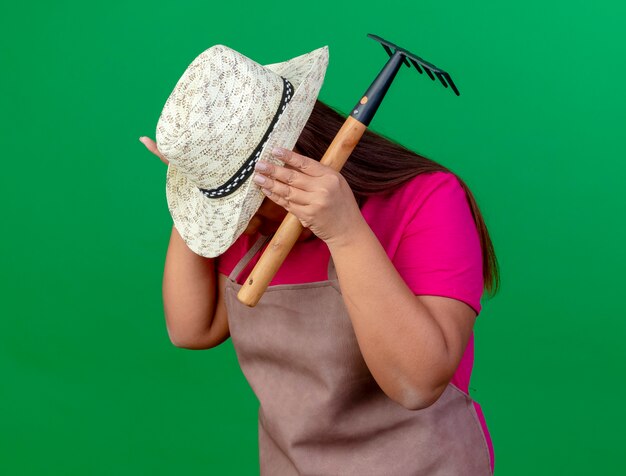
point(245, 170)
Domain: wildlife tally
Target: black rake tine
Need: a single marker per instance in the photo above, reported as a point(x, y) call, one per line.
point(390, 53)
point(417, 66)
point(451, 83)
point(430, 68)
point(443, 81)
point(421, 61)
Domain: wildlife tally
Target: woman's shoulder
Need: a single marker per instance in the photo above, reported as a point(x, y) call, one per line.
point(428, 230)
point(426, 213)
point(422, 185)
point(440, 187)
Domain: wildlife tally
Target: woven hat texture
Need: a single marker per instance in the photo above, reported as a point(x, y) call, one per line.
point(225, 113)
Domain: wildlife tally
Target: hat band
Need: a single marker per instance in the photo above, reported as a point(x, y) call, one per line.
point(245, 170)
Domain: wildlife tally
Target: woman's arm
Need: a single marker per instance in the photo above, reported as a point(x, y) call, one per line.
point(411, 344)
point(193, 301)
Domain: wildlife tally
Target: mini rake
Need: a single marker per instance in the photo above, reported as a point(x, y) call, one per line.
point(335, 157)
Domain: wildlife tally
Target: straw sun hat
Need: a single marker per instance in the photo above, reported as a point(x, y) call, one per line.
point(225, 113)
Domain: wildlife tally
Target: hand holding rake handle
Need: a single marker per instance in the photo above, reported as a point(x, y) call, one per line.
point(287, 234)
point(335, 157)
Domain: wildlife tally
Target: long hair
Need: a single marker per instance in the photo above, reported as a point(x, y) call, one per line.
point(368, 175)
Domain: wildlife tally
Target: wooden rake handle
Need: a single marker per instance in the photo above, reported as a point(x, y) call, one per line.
point(287, 234)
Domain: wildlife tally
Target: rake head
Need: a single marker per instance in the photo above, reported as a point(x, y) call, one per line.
point(409, 58)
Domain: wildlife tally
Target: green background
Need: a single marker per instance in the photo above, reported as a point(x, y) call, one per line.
point(91, 384)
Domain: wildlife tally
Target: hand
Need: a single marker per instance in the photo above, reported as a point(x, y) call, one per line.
point(316, 194)
point(152, 147)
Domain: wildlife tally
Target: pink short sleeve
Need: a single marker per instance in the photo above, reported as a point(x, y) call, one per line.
point(439, 250)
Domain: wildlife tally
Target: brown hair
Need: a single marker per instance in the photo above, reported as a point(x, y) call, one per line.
point(368, 175)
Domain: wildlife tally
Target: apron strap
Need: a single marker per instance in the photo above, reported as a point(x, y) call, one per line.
point(263, 239)
point(243, 262)
point(332, 272)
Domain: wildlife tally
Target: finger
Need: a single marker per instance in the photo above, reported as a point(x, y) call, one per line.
point(294, 209)
point(152, 147)
point(291, 207)
point(287, 176)
point(281, 193)
point(299, 162)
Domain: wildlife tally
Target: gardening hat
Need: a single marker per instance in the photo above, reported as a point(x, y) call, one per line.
point(226, 113)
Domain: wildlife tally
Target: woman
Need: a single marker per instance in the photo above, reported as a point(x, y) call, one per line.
point(411, 254)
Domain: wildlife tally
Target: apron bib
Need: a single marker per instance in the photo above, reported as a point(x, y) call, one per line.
point(321, 411)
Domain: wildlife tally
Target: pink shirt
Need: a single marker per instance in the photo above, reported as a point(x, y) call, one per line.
point(427, 230)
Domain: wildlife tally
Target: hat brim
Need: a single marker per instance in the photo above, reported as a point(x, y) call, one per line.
point(210, 225)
